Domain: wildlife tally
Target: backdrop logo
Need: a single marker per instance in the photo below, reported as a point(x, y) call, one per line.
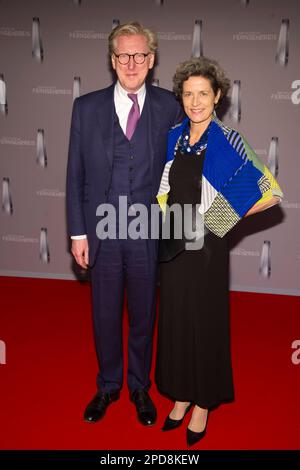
point(172, 36)
point(290, 205)
point(11, 237)
point(243, 252)
point(284, 95)
point(254, 36)
point(295, 357)
point(295, 96)
point(16, 141)
point(50, 193)
point(50, 90)
point(261, 151)
point(87, 34)
point(12, 32)
point(2, 352)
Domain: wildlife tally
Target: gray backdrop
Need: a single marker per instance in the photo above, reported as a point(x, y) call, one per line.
point(54, 50)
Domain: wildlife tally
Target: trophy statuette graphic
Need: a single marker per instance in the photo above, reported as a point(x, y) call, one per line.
point(7, 205)
point(197, 44)
point(37, 46)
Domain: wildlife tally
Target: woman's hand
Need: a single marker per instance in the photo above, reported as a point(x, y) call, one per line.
point(263, 206)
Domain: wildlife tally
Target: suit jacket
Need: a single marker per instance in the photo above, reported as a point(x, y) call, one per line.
point(90, 156)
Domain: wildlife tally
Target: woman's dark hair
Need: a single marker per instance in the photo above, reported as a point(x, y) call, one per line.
point(201, 67)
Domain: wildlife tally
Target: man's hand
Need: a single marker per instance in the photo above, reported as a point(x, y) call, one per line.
point(80, 251)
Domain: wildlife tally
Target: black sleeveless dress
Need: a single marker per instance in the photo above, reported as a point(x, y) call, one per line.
point(193, 353)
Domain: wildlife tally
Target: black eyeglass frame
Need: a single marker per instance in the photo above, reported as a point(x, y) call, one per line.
point(132, 55)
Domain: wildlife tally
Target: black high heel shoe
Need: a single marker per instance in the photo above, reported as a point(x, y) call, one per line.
point(171, 424)
point(193, 437)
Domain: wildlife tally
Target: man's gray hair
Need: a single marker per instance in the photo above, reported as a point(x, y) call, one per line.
point(132, 28)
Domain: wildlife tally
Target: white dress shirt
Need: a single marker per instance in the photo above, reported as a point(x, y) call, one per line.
point(123, 105)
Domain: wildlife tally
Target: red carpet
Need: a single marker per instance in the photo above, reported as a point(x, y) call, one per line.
point(50, 370)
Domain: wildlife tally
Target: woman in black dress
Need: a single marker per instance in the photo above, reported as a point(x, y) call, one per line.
point(193, 356)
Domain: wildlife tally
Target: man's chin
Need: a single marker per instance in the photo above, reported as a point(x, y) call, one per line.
point(132, 87)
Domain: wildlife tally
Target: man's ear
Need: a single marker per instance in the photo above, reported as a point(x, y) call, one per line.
point(113, 61)
point(151, 60)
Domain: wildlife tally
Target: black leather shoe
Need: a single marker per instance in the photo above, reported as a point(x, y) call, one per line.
point(171, 424)
point(145, 408)
point(97, 407)
point(194, 437)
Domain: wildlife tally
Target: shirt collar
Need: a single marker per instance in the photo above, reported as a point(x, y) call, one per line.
point(122, 93)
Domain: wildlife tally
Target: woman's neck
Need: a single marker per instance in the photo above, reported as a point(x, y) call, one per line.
point(196, 131)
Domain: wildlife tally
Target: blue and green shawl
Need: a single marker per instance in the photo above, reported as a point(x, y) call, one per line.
point(234, 179)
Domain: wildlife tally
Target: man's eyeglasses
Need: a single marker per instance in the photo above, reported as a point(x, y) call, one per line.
point(138, 57)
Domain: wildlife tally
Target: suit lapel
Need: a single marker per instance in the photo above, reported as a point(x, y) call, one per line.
point(105, 117)
point(155, 110)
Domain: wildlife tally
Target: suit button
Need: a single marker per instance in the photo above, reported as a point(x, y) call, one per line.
point(130, 168)
point(131, 157)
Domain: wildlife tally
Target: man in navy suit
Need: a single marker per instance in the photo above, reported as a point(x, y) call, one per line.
point(117, 148)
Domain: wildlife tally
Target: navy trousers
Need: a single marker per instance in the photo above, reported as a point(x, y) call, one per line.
point(131, 265)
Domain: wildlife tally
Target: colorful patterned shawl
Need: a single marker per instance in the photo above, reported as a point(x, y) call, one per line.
point(234, 178)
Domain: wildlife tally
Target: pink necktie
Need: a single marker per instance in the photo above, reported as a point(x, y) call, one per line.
point(133, 115)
